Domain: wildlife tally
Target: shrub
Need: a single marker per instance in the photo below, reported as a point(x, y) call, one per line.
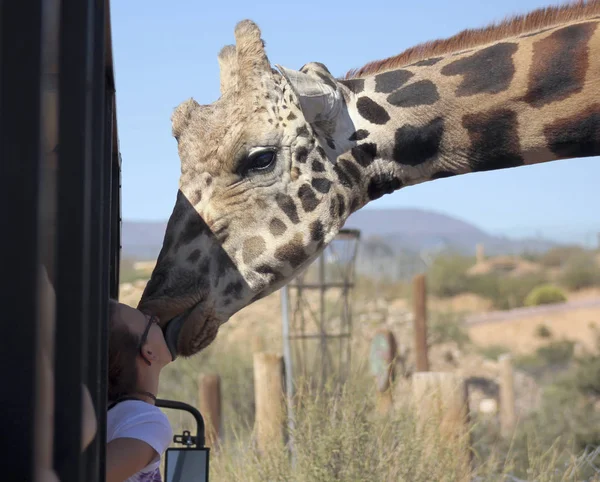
point(505, 292)
point(493, 351)
point(544, 295)
point(580, 272)
point(543, 331)
point(447, 275)
point(557, 257)
point(446, 327)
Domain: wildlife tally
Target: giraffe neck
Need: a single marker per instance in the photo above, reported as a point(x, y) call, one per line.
point(520, 101)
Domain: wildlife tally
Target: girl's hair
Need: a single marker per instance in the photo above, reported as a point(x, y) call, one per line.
point(122, 354)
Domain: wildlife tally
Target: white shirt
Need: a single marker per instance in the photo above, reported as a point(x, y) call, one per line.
point(143, 421)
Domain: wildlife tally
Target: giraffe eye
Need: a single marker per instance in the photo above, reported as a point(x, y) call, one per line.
point(261, 161)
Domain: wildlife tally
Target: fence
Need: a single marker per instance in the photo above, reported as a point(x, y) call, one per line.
point(440, 399)
point(60, 176)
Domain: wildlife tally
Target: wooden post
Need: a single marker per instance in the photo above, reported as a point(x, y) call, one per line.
point(479, 253)
point(269, 401)
point(420, 323)
point(508, 417)
point(209, 399)
point(382, 359)
point(441, 408)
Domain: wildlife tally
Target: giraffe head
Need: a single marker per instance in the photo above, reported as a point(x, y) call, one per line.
point(256, 201)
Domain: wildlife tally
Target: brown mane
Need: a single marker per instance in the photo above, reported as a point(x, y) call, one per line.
point(510, 27)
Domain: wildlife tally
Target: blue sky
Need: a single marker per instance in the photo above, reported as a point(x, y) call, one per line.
point(166, 52)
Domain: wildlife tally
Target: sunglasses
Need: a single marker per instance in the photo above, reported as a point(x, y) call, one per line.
point(153, 319)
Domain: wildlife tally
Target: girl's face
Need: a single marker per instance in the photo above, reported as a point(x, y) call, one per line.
point(154, 349)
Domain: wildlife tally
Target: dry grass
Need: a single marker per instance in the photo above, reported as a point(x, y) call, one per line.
point(339, 435)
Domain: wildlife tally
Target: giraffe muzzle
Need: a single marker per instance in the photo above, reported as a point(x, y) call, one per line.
point(172, 330)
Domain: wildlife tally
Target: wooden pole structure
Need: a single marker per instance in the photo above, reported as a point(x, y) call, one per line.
point(209, 399)
point(420, 323)
point(442, 412)
point(382, 359)
point(269, 400)
point(508, 417)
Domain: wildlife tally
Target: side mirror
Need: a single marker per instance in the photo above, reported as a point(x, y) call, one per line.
point(189, 464)
point(186, 465)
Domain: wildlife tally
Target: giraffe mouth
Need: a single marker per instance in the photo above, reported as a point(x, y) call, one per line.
point(172, 329)
point(191, 331)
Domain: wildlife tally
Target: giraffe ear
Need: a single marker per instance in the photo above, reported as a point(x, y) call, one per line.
point(318, 97)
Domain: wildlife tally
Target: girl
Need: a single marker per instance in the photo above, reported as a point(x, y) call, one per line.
point(138, 432)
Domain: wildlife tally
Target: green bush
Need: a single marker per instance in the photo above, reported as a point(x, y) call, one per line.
point(557, 257)
point(505, 292)
point(543, 331)
point(447, 327)
point(447, 275)
point(547, 358)
point(492, 352)
point(544, 295)
point(580, 272)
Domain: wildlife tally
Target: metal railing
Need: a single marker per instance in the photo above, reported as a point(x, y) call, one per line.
point(60, 172)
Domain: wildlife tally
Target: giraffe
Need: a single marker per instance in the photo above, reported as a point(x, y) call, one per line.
point(273, 168)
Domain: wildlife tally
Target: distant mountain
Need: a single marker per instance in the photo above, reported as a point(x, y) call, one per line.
point(416, 230)
point(385, 234)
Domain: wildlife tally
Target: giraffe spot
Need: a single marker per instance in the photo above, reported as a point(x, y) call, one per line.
point(351, 169)
point(316, 231)
point(321, 152)
point(389, 81)
point(365, 153)
point(302, 131)
point(560, 62)
point(197, 196)
point(321, 184)
point(354, 204)
point(494, 140)
point(301, 154)
point(343, 177)
point(252, 248)
point(277, 227)
point(234, 289)
point(341, 205)
point(307, 198)
point(487, 71)
point(383, 184)
point(427, 62)
point(337, 206)
point(372, 111)
point(194, 256)
point(359, 135)
point(266, 269)
point(291, 116)
point(293, 252)
point(577, 136)
point(318, 166)
point(355, 85)
point(414, 145)
point(442, 174)
point(287, 205)
point(423, 92)
point(194, 227)
point(223, 263)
